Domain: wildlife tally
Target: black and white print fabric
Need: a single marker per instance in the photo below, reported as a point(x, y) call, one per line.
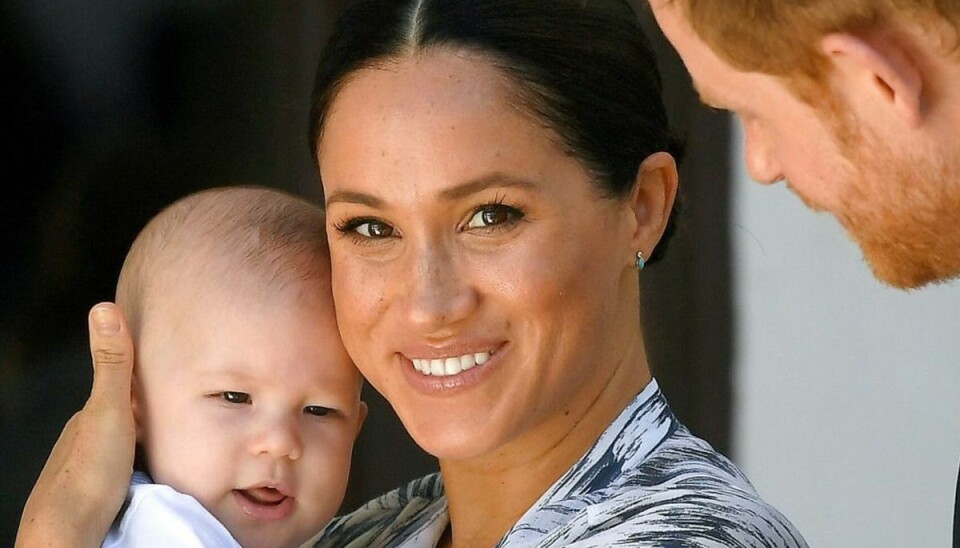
point(646, 482)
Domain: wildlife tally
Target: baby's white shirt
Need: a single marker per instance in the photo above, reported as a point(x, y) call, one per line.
point(157, 515)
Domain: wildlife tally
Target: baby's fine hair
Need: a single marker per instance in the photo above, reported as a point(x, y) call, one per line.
point(263, 238)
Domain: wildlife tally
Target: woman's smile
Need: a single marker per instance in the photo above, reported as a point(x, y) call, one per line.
point(450, 365)
point(475, 266)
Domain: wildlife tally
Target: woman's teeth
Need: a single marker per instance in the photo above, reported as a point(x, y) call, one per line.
point(444, 367)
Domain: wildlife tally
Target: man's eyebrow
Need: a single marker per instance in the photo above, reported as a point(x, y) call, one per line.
point(473, 186)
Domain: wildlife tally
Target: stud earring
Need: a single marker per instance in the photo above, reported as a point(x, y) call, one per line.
point(640, 260)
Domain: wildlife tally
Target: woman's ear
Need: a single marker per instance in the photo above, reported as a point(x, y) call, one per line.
point(877, 70)
point(652, 200)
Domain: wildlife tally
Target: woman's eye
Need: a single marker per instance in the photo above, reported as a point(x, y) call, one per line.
point(371, 228)
point(317, 410)
point(494, 215)
point(235, 397)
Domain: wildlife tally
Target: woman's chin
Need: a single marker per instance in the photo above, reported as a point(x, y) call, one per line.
point(455, 440)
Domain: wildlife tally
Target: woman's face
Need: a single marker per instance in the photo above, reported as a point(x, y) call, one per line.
point(481, 284)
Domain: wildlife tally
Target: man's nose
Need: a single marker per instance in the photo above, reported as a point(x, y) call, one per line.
point(762, 163)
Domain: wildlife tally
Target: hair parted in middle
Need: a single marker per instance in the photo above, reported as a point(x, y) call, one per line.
point(582, 67)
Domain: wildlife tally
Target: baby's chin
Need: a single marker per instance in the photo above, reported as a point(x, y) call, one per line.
point(280, 523)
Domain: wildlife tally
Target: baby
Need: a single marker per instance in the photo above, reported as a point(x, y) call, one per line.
point(246, 403)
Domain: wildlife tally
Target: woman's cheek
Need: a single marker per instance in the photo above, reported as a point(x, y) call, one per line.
point(359, 297)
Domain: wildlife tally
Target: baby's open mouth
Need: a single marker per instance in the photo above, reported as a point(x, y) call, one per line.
point(266, 496)
point(264, 503)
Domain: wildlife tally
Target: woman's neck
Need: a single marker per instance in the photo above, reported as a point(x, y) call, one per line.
point(487, 496)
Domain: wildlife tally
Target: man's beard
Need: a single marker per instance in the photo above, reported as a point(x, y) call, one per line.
point(904, 213)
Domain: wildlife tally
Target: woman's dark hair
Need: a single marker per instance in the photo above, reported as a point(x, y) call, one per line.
point(583, 67)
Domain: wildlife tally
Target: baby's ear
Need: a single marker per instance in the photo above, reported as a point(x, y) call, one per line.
point(139, 455)
point(362, 411)
point(135, 404)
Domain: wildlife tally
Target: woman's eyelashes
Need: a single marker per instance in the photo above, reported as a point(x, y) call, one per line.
point(365, 229)
point(488, 217)
point(494, 216)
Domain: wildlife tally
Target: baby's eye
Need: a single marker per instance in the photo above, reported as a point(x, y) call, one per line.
point(317, 410)
point(235, 397)
point(494, 215)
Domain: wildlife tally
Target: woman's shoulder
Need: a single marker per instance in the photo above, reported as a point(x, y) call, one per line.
point(685, 492)
point(680, 516)
point(649, 482)
point(397, 518)
point(681, 493)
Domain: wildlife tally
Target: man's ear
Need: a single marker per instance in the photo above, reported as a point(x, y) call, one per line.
point(652, 200)
point(877, 67)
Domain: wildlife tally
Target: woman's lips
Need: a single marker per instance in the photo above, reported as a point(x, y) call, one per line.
point(440, 372)
point(451, 365)
point(264, 503)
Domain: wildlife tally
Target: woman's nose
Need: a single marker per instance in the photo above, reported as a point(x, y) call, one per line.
point(277, 438)
point(762, 164)
point(439, 292)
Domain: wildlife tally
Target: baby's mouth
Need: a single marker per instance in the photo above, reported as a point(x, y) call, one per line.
point(265, 496)
point(264, 503)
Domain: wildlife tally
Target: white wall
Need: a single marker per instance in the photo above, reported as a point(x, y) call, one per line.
point(847, 392)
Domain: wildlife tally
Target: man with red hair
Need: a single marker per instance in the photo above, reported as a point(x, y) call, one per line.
point(855, 104)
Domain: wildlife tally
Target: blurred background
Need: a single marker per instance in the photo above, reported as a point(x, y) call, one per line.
point(838, 395)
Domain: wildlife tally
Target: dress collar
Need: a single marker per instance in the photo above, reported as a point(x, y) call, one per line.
point(629, 440)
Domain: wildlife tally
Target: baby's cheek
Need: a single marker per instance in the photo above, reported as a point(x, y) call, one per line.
point(329, 475)
point(191, 459)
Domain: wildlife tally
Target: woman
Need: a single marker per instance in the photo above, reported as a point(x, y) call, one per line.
point(495, 172)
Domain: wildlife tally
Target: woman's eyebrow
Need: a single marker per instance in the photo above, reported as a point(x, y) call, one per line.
point(496, 179)
point(352, 197)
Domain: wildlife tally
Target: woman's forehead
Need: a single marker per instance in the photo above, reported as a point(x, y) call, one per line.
point(438, 111)
point(436, 83)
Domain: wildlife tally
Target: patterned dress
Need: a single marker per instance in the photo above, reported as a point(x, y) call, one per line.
point(646, 482)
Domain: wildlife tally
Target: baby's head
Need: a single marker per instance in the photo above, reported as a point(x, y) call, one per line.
point(244, 395)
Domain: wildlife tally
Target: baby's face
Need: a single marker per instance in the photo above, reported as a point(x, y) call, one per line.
point(250, 407)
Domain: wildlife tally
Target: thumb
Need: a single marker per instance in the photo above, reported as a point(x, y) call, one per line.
point(112, 351)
